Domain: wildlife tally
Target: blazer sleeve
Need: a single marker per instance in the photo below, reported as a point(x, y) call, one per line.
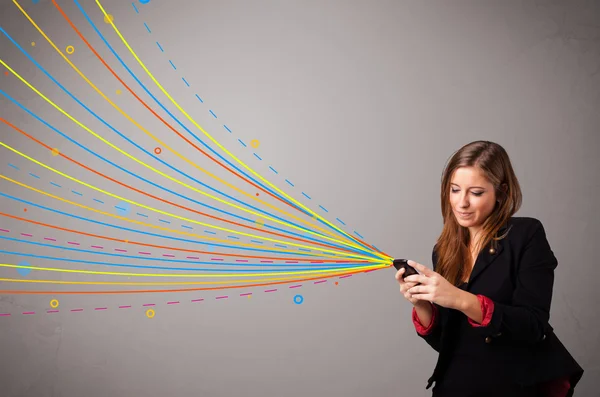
point(434, 333)
point(526, 319)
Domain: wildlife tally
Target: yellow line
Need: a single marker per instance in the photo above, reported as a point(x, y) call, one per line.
point(163, 144)
point(226, 275)
point(216, 142)
point(142, 223)
point(150, 167)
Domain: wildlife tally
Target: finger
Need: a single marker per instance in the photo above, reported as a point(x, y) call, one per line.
point(421, 268)
point(416, 278)
point(399, 274)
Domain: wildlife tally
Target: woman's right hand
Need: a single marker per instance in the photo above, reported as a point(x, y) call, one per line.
point(405, 286)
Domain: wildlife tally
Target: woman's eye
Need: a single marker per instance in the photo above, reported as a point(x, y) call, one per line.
point(477, 193)
point(454, 191)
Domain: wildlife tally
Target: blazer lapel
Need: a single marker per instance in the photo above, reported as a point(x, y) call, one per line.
point(485, 258)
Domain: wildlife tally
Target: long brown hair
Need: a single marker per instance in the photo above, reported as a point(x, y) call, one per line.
point(452, 246)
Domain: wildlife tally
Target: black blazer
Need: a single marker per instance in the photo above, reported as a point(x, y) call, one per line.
point(519, 278)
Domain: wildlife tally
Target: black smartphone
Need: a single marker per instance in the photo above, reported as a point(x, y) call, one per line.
point(408, 269)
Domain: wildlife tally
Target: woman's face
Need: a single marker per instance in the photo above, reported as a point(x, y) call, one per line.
point(472, 197)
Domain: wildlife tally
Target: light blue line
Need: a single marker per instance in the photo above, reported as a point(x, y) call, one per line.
point(147, 27)
point(213, 113)
point(80, 194)
point(200, 99)
point(187, 227)
point(185, 81)
point(135, 8)
point(34, 175)
point(340, 221)
point(140, 214)
point(100, 201)
point(242, 142)
point(273, 169)
point(323, 208)
point(358, 234)
point(227, 128)
point(290, 183)
point(209, 232)
point(256, 155)
point(306, 195)
point(14, 166)
point(163, 221)
point(160, 47)
point(55, 184)
point(171, 62)
point(237, 238)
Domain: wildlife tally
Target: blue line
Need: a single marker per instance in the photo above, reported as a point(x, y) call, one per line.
point(200, 99)
point(121, 208)
point(233, 237)
point(135, 8)
point(186, 83)
point(324, 209)
point(209, 232)
point(140, 214)
point(255, 241)
point(280, 246)
point(100, 201)
point(187, 227)
point(306, 195)
point(14, 166)
point(33, 175)
point(77, 193)
point(145, 151)
point(340, 221)
point(171, 62)
point(213, 113)
point(242, 142)
point(194, 135)
point(273, 169)
point(55, 184)
point(160, 47)
point(290, 183)
point(134, 230)
point(257, 156)
point(287, 265)
point(358, 234)
point(227, 128)
point(147, 27)
point(163, 221)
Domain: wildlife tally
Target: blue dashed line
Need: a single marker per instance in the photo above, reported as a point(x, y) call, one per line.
point(273, 169)
point(303, 249)
point(280, 246)
point(55, 184)
point(339, 220)
point(227, 128)
point(207, 231)
point(100, 201)
point(306, 195)
point(358, 234)
point(162, 220)
point(147, 27)
point(140, 214)
point(14, 166)
point(34, 175)
point(213, 113)
point(171, 62)
point(77, 193)
point(187, 227)
point(323, 208)
point(237, 238)
point(201, 101)
point(135, 8)
point(242, 142)
point(257, 242)
point(185, 81)
point(291, 184)
point(120, 208)
point(257, 156)
point(160, 47)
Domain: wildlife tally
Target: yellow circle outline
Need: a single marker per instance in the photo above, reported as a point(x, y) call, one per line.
point(54, 303)
point(150, 313)
point(255, 143)
point(71, 51)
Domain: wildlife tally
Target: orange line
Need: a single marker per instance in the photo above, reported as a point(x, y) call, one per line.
point(169, 202)
point(171, 248)
point(25, 292)
point(177, 132)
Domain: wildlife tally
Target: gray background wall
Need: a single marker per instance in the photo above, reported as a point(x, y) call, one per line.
point(359, 104)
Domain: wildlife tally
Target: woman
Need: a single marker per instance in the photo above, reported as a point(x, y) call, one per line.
point(485, 306)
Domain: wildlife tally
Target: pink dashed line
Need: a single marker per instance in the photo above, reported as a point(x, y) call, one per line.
point(52, 311)
point(291, 261)
point(216, 259)
point(319, 282)
point(76, 310)
point(26, 235)
point(271, 290)
point(120, 250)
point(266, 261)
point(192, 257)
point(149, 304)
point(97, 246)
point(246, 294)
point(241, 260)
point(346, 276)
point(101, 308)
point(222, 297)
point(144, 253)
point(169, 255)
point(50, 239)
point(198, 300)
point(295, 286)
point(173, 303)
point(73, 243)
point(4, 314)
point(5, 231)
point(125, 307)
point(28, 312)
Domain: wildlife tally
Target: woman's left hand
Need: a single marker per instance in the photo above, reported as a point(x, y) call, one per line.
point(434, 288)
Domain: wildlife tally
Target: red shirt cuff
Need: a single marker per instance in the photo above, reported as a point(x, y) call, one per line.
point(419, 327)
point(487, 309)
